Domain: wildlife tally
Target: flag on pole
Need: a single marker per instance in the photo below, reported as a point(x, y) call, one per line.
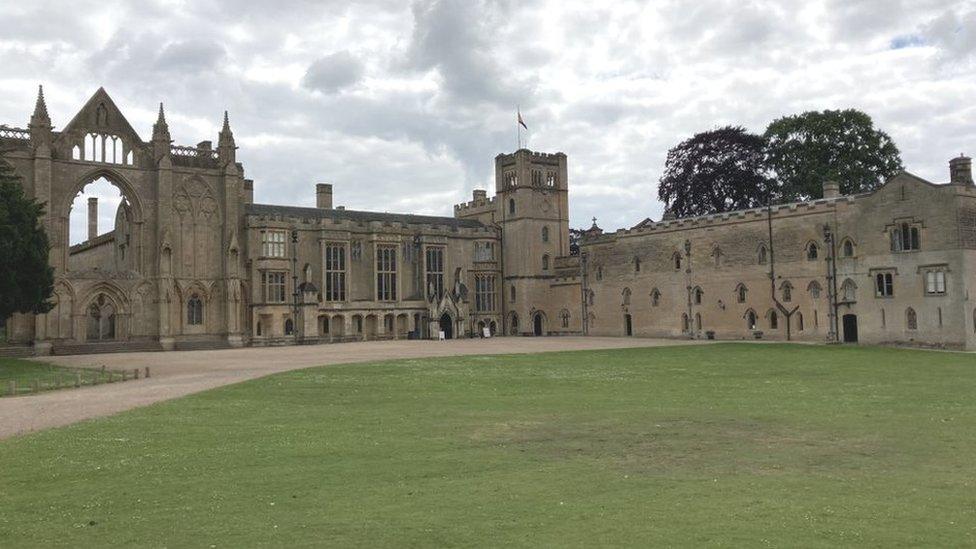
point(520, 121)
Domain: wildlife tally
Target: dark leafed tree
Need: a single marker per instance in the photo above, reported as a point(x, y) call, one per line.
point(807, 149)
point(26, 279)
point(715, 171)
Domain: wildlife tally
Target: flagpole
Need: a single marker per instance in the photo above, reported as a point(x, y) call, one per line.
point(518, 126)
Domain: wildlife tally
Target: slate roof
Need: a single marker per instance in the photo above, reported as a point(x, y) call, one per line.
point(358, 215)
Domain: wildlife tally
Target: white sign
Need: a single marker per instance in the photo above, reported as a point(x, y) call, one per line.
point(441, 336)
point(486, 331)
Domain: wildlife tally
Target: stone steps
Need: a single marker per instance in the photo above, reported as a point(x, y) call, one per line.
point(16, 351)
point(105, 347)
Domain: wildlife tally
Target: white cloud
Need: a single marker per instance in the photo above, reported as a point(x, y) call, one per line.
point(404, 106)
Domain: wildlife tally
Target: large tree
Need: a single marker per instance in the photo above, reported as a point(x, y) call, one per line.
point(807, 149)
point(715, 171)
point(26, 279)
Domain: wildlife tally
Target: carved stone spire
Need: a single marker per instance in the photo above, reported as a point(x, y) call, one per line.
point(226, 147)
point(161, 128)
point(40, 118)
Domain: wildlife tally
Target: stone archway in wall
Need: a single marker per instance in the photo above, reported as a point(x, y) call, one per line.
point(127, 233)
point(104, 316)
point(447, 325)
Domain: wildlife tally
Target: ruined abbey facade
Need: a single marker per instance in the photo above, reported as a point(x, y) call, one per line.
point(193, 262)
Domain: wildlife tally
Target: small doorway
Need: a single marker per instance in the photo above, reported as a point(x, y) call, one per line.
point(850, 328)
point(447, 326)
point(537, 324)
point(629, 325)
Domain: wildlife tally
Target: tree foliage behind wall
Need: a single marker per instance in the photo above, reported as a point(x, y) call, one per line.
point(807, 149)
point(26, 278)
point(715, 171)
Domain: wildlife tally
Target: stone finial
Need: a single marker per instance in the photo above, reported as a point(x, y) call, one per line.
point(225, 143)
point(831, 189)
point(961, 170)
point(161, 128)
point(226, 136)
point(40, 117)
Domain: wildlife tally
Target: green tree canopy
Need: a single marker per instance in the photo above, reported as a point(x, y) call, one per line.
point(715, 171)
point(807, 149)
point(26, 279)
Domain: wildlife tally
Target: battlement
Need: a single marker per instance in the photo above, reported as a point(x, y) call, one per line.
point(533, 156)
point(477, 205)
point(821, 205)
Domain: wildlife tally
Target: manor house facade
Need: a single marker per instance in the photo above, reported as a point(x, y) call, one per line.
point(193, 262)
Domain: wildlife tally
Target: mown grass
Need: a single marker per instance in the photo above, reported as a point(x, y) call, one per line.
point(730, 445)
point(29, 376)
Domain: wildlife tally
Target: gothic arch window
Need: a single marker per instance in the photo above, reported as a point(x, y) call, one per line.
point(717, 255)
point(847, 248)
point(550, 179)
point(599, 272)
point(511, 206)
point(740, 293)
point(849, 290)
point(637, 264)
point(685, 323)
point(194, 310)
point(676, 258)
point(762, 254)
point(799, 321)
point(545, 234)
point(511, 292)
point(590, 297)
point(812, 251)
point(911, 319)
point(655, 297)
point(698, 321)
point(289, 327)
point(814, 289)
point(698, 294)
point(626, 297)
point(564, 316)
point(257, 328)
point(787, 290)
point(905, 238)
point(751, 320)
point(773, 320)
point(513, 324)
point(545, 262)
point(106, 148)
point(76, 153)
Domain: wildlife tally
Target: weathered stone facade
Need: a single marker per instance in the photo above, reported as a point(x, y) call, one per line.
point(193, 262)
point(893, 266)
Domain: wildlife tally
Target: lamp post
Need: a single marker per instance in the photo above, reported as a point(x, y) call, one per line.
point(688, 285)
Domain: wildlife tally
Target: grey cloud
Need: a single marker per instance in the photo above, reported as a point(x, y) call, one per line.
point(457, 38)
point(333, 72)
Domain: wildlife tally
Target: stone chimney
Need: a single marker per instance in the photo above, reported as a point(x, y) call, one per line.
point(961, 170)
point(92, 218)
point(323, 196)
point(480, 194)
point(249, 191)
point(205, 145)
point(831, 189)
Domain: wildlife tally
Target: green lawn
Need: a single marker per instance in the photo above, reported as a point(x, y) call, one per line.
point(730, 445)
point(24, 373)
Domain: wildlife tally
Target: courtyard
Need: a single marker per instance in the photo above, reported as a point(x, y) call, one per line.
point(725, 444)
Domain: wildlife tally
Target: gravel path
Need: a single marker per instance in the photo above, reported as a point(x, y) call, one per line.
point(179, 373)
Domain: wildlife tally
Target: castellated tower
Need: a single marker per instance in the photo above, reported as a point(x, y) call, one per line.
point(532, 209)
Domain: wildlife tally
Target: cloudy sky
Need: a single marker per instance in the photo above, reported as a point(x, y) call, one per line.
point(403, 106)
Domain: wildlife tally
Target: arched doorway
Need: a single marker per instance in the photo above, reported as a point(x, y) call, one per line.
point(628, 325)
point(447, 326)
point(537, 324)
point(850, 328)
point(100, 320)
